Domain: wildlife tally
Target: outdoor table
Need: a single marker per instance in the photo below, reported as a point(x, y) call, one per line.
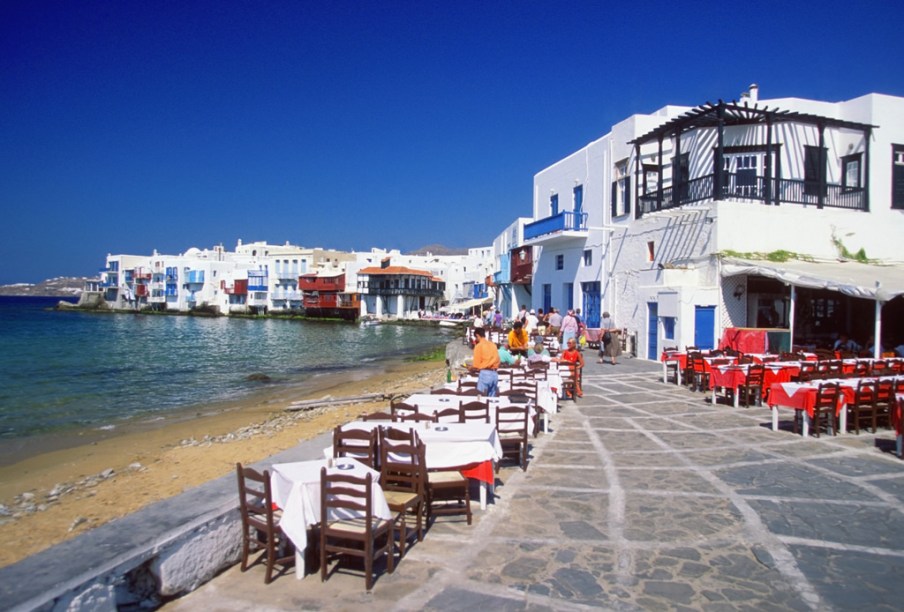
point(431, 403)
point(471, 448)
point(802, 397)
point(734, 376)
point(296, 490)
point(677, 357)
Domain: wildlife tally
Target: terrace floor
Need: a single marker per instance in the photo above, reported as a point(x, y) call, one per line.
point(645, 496)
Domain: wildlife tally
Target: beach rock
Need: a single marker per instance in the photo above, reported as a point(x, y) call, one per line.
point(258, 377)
point(27, 496)
point(4, 511)
point(135, 467)
point(107, 473)
point(78, 521)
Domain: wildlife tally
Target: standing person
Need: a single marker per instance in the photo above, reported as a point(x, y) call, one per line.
point(522, 316)
point(610, 343)
point(518, 340)
point(573, 355)
point(569, 327)
point(497, 319)
point(486, 362)
point(531, 323)
point(478, 321)
point(555, 322)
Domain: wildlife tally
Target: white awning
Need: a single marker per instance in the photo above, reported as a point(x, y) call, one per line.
point(868, 281)
point(469, 304)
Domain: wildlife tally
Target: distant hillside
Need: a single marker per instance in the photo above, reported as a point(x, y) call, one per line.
point(62, 287)
point(438, 249)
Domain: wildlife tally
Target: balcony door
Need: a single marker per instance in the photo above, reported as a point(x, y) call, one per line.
point(741, 174)
point(591, 303)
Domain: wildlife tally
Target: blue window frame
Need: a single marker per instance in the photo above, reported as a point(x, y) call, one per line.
point(560, 262)
point(668, 328)
point(553, 205)
point(547, 297)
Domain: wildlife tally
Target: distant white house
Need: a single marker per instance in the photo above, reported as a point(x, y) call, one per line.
point(671, 219)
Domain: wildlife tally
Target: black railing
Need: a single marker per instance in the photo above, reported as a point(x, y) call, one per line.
point(780, 191)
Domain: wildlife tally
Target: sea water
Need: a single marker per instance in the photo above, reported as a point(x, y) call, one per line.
point(63, 370)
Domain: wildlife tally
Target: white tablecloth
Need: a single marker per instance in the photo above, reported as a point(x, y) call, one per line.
point(432, 403)
point(546, 390)
point(296, 490)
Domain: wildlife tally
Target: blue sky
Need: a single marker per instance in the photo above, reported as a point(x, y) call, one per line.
point(132, 126)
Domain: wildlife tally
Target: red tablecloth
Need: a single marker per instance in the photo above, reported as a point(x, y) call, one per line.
point(482, 472)
point(897, 415)
point(802, 396)
point(678, 356)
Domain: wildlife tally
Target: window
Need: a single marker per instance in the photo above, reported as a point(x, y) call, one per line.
point(681, 176)
point(588, 257)
point(651, 251)
point(814, 168)
point(897, 176)
point(668, 328)
point(621, 190)
point(547, 297)
point(740, 176)
point(553, 205)
point(560, 262)
point(650, 178)
point(568, 295)
point(850, 172)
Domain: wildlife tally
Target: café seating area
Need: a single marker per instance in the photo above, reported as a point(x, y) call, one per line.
point(391, 474)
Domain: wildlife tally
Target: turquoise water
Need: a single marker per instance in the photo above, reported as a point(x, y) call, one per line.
point(64, 371)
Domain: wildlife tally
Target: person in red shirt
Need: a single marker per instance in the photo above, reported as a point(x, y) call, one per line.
point(486, 362)
point(573, 355)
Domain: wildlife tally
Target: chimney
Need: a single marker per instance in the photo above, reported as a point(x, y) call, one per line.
point(753, 92)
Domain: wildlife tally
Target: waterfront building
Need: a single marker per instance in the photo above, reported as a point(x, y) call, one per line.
point(691, 221)
point(398, 291)
point(513, 269)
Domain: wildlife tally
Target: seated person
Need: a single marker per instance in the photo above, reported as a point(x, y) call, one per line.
point(844, 343)
point(539, 354)
point(505, 355)
point(518, 340)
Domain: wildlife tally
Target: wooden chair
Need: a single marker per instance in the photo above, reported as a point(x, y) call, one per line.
point(511, 425)
point(260, 528)
point(344, 495)
point(469, 391)
point(416, 417)
point(569, 373)
point(448, 415)
point(443, 391)
point(448, 493)
point(824, 408)
point(358, 444)
point(863, 406)
point(378, 416)
point(885, 398)
point(403, 477)
point(753, 384)
point(861, 369)
point(473, 412)
point(400, 409)
point(539, 370)
point(879, 368)
point(807, 372)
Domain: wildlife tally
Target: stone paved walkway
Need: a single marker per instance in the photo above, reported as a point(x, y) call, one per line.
point(644, 497)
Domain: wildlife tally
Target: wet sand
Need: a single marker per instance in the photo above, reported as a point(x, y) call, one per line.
point(75, 488)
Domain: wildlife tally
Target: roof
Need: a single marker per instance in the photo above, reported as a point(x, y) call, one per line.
point(733, 113)
point(469, 304)
point(398, 270)
point(870, 281)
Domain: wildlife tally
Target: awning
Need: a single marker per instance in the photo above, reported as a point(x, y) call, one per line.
point(869, 281)
point(469, 304)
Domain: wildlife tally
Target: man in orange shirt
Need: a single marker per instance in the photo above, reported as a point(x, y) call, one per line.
point(486, 362)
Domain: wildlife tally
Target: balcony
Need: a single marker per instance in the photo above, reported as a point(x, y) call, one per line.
point(194, 277)
point(774, 191)
point(567, 226)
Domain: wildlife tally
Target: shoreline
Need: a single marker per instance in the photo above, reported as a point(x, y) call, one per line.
point(56, 493)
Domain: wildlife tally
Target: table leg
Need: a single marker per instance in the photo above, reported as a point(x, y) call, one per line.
point(842, 419)
point(774, 418)
point(299, 564)
point(899, 443)
point(665, 372)
point(678, 375)
point(805, 428)
point(714, 395)
point(484, 486)
point(545, 422)
point(737, 398)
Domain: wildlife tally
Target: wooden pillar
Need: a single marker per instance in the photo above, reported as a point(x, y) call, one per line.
point(718, 192)
point(638, 205)
point(867, 136)
point(821, 157)
point(660, 178)
point(767, 170)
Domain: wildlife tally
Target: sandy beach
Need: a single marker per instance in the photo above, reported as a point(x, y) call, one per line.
point(53, 496)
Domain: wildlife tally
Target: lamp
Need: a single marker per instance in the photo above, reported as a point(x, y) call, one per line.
point(738, 292)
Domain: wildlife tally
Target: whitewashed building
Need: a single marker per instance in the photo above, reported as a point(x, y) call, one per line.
point(691, 221)
point(513, 269)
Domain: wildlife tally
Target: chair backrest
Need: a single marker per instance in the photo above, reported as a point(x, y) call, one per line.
point(359, 444)
point(474, 411)
point(403, 464)
point(443, 391)
point(512, 419)
point(469, 391)
point(827, 395)
point(745, 359)
point(417, 417)
point(865, 393)
point(861, 369)
point(378, 416)
point(807, 371)
point(467, 384)
point(255, 498)
point(400, 409)
point(345, 496)
point(755, 375)
point(448, 415)
point(885, 388)
point(539, 370)
point(879, 367)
